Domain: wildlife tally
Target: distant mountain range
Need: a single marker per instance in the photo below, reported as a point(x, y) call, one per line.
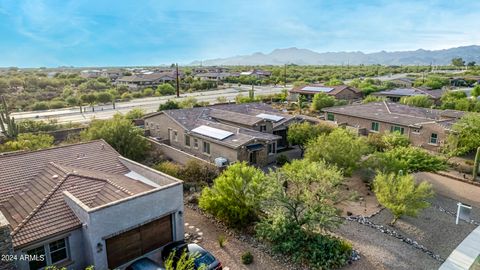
point(309, 57)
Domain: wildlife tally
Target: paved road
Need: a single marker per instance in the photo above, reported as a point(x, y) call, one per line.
point(148, 104)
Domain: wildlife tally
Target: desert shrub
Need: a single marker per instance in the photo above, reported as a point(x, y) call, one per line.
point(194, 171)
point(317, 250)
point(408, 159)
point(281, 159)
point(221, 240)
point(40, 105)
point(236, 195)
point(169, 168)
point(247, 258)
point(387, 141)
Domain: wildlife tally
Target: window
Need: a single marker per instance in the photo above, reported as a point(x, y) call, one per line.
point(330, 117)
point(175, 135)
point(187, 140)
point(206, 148)
point(48, 254)
point(375, 126)
point(272, 148)
point(434, 138)
point(397, 129)
point(195, 143)
point(263, 128)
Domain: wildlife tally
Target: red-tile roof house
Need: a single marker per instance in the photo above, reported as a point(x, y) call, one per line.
point(344, 92)
point(84, 204)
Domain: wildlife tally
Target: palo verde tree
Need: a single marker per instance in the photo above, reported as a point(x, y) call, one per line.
point(301, 133)
point(236, 195)
point(322, 100)
point(401, 195)
point(465, 135)
point(121, 134)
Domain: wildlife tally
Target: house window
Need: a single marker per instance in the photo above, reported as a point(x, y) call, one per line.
point(263, 128)
point(397, 129)
point(206, 148)
point(187, 140)
point(434, 138)
point(48, 254)
point(375, 126)
point(272, 149)
point(195, 143)
point(330, 117)
point(175, 136)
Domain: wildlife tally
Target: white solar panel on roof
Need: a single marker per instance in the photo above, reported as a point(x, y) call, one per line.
point(272, 117)
point(212, 132)
point(317, 89)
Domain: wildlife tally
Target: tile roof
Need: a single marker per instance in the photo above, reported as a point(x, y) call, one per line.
point(303, 89)
point(411, 92)
point(32, 185)
point(217, 116)
point(395, 113)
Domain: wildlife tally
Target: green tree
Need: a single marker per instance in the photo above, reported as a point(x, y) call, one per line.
point(148, 92)
point(401, 195)
point(121, 134)
point(476, 91)
point(169, 105)
point(104, 97)
point(28, 141)
point(408, 159)
point(189, 102)
point(372, 98)
point(465, 135)
point(417, 101)
point(340, 148)
point(458, 62)
point(126, 96)
point(135, 113)
point(90, 99)
point(236, 195)
point(334, 82)
point(72, 101)
point(322, 100)
point(166, 89)
point(301, 133)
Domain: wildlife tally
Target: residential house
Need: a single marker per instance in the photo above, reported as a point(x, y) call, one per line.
point(344, 92)
point(252, 132)
point(396, 94)
point(257, 73)
point(112, 74)
point(427, 128)
point(215, 76)
point(90, 74)
point(84, 204)
point(404, 82)
point(139, 81)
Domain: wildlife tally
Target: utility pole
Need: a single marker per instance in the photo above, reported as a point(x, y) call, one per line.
point(178, 81)
point(285, 76)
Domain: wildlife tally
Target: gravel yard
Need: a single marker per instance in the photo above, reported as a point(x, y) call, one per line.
point(230, 254)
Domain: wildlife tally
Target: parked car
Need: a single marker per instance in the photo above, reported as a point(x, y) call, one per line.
point(203, 257)
point(144, 264)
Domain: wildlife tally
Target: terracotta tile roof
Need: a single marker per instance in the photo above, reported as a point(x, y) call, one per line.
point(37, 209)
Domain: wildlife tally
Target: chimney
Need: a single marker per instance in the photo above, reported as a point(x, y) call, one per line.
point(6, 244)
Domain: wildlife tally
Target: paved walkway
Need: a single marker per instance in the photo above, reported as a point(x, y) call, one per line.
point(465, 254)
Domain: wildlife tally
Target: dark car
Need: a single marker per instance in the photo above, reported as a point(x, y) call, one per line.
point(144, 264)
point(203, 257)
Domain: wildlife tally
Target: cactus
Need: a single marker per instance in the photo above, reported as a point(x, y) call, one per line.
point(7, 124)
point(251, 94)
point(475, 166)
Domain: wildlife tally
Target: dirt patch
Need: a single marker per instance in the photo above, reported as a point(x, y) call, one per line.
point(357, 198)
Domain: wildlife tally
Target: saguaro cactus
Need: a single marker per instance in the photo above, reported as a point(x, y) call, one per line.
point(475, 166)
point(7, 123)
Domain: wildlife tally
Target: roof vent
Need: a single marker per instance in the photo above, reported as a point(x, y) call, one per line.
point(103, 146)
point(55, 176)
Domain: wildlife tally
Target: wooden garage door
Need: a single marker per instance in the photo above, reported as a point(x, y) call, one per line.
point(136, 242)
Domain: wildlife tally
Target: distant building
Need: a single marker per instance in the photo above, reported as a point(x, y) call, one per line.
point(251, 132)
point(396, 94)
point(84, 204)
point(112, 74)
point(90, 74)
point(215, 76)
point(257, 73)
point(427, 128)
point(405, 82)
point(139, 81)
point(344, 92)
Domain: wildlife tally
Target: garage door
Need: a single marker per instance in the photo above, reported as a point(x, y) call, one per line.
point(136, 242)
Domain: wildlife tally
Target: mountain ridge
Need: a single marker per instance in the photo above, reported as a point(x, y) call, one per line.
point(301, 56)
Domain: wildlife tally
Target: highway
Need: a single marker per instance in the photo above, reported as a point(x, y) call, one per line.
point(73, 115)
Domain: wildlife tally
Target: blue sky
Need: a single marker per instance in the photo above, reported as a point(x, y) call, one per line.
point(152, 32)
